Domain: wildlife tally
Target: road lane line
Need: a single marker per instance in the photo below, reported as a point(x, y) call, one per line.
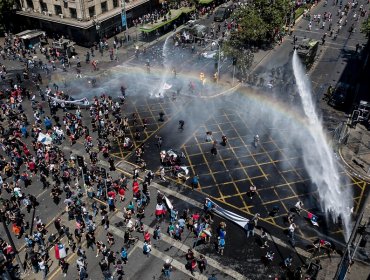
point(124, 164)
point(183, 247)
point(175, 263)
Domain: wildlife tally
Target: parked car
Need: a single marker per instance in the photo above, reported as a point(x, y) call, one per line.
point(223, 13)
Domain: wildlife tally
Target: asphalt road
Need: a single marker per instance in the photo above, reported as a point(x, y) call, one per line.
point(284, 185)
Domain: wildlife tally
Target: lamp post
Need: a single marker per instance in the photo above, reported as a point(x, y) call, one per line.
point(219, 58)
point(98, 28)
point(123, 14)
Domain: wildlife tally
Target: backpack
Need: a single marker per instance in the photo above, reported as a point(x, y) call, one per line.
point(29, 242)
point(124, 254)
point(146, 249)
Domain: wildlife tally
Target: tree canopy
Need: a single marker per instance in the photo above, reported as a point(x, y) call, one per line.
point(260, 20)
point(365, 28)
point(257, 22)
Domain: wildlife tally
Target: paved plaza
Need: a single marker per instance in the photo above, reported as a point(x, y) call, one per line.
point(166, 84)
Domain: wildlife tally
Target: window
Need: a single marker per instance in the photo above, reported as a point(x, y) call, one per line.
point(30, 4)
point(92, 11)
point(43, 6)
point(73, 12)
point(104, 7)
point(115, 3)
point(58, 9)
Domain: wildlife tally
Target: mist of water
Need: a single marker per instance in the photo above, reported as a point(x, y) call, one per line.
point(160, 90)
point(319, 158)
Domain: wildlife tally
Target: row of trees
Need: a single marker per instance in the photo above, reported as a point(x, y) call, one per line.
point(258, 23)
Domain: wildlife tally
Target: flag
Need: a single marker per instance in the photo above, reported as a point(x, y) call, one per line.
point(60, 251)
point(312, 218)
point(159, 210)
point(231, 216)
point(44, 139)
point(168, 202)
point(166, 86)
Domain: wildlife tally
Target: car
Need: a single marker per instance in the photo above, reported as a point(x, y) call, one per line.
point(192, 22)
point(223, 13)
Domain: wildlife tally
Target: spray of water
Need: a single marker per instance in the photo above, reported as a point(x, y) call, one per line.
point(319, 158)
point(159, 91)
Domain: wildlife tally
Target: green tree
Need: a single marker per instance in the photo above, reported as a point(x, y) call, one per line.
point(244, 58)
point(251, 27)
point(275, 14)
point(257, 23)
point(261, 20)
point(365, 28)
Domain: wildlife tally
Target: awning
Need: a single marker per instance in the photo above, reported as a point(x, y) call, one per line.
point(175, 14)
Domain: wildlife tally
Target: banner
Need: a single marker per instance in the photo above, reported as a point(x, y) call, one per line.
point(123, 18)
point(82, 101)
point(241, 221)
point(168, 202)
point(166, 86)
point(44, 139)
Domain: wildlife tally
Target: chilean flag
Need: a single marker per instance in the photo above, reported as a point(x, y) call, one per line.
point(60, 251)
point(159, 210)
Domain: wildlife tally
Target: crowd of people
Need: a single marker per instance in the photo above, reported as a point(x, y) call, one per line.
point(34, 127)
point(32, 154)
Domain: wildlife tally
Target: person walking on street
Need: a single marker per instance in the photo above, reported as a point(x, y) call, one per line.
point(166, 269)
point(181, 124)
point(147, 248)
point(124, 255)
point(252, 191)
point(202, 264)
point(162, 173)
point(264, 238)
point(195, 182)
point(43, 266)
point(251, 225)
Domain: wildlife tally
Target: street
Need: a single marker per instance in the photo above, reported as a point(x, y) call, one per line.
point(162, 86)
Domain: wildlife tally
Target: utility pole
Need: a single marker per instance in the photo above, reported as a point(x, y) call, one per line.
point(123, 14)
point(234, 64)
point(82, 166)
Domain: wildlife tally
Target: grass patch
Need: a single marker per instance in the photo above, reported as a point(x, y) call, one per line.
point(299, 12)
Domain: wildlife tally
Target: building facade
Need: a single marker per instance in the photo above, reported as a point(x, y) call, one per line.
point(83, 10)
point(83, 21)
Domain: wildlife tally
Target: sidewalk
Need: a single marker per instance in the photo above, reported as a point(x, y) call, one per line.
point(356, 152)
point(360, 268)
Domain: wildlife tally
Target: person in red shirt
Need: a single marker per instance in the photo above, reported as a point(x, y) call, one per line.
point(147, 237)
point(121, 193)
point(32, 167)
point(135, 188)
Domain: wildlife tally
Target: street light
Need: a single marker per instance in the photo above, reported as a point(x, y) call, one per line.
point(214, 43)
